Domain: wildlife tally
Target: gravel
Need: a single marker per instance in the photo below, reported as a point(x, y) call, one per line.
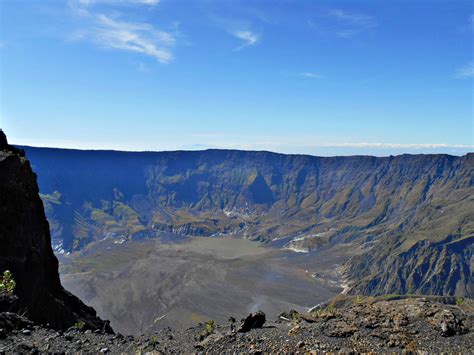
point(380, 326)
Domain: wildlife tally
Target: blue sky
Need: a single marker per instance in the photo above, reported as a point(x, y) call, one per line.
point(316, 77)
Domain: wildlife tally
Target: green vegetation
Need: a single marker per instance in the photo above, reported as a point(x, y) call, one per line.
point(79, 325)
point(7, 283)
point(154, 340)
point(325, 313)
point(459, 301)
point(209, 328)
point(359, 299)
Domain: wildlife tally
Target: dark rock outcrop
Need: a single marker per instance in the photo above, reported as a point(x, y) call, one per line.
point(25, 250)
point(3, 140)
point(252, 321)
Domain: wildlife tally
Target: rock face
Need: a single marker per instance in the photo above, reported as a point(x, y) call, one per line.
point(429, 268)
point(25, 249)
point(260, 194)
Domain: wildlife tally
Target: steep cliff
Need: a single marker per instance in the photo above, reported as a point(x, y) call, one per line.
point(442, 268)
point(25, 249)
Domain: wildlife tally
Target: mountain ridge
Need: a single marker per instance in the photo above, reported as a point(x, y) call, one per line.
point(262, 196)
point(28, 147)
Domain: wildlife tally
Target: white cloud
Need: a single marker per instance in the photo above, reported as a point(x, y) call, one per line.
point(118, 2)
point(248, 37)
point(343, 23)
point(135, 37)
point(330, 149)
point(112, 32)
point(142, 67)
point(465, 72)
point(148, 2)
point(357, 19)
point(222, 140)
point(284, 144)
point(396, 145)
point(471, 22)
point(310, 75)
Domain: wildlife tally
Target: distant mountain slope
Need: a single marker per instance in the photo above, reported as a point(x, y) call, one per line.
point(413, 213)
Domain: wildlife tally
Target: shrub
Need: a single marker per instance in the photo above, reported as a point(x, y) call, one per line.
point(79, 325)
point(7, 283)
point(154, 340)
point(324, 313)
point(209, 327)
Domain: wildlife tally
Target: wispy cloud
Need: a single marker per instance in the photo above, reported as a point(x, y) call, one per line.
point(244, 22)
point(352, 18)
point(114, 32)
point(135, 37)
point(143, 68)
point(351, 23)
point(310, 75)
point(342, 23)
point(225, 140)
point(116, 2)
point(395, 145)
point(471, 22)
point(465, 72)
point(248, 37)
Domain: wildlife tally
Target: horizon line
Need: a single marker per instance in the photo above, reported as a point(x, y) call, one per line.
point(240, 150)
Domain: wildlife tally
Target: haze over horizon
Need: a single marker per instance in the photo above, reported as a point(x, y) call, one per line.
point(332, 78)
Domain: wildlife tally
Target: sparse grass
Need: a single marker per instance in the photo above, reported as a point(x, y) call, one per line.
point(323, 312)
point(7, 283)
point(154, 340)
point(390, 297)
point(459, 301)
point(209, 328)
point(359, 299)
point(79, 325)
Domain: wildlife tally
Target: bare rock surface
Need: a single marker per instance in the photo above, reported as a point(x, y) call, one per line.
point(25, 250)
point(420, 325)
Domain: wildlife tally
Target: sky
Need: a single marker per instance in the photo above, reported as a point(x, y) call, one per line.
point(292, 76)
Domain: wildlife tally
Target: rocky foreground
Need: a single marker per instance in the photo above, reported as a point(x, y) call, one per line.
point(351, 324)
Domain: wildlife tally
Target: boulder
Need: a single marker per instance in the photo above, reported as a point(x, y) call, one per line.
point(252, 321)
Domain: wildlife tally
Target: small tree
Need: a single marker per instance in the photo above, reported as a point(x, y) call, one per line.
point(7, 283)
